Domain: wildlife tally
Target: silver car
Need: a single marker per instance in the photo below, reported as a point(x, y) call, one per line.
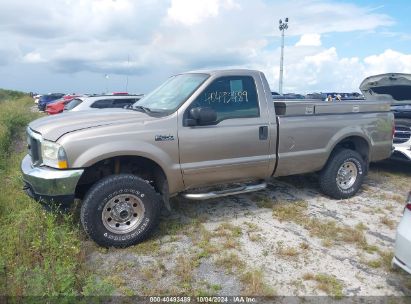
point(101, 102)
point(402, 257)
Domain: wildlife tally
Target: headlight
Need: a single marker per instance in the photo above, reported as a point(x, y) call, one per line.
point(53, 155)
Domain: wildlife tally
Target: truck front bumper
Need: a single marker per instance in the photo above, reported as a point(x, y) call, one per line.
point(46, 184)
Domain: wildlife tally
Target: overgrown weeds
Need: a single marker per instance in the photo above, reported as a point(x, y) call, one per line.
point(327, 283)
point(40, 251)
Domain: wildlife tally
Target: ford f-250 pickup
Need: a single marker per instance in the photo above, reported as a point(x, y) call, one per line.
point(194, 133)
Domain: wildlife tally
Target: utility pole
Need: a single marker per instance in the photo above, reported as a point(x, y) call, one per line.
point(282, 26)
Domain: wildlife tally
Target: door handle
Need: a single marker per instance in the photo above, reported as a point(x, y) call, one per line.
point(263, 133)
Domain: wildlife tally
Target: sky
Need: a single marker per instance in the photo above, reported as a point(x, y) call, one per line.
point(87, 46)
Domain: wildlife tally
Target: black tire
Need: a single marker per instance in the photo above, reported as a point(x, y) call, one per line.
point(328, 175)
point(122, 191)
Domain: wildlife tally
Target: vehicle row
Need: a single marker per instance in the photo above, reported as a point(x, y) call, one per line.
point(55, 103)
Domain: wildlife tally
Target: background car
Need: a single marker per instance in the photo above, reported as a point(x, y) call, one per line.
point(36, 98)
point(101, 102)
point(58, 106)
point(402, 257)
point(402, 134)
point(395, 87)
point(49, 98)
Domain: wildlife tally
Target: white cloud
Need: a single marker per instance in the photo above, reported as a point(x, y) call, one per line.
point(33, 57)
point(325, 70)
point(309, 40)
point(328, 55)
point(327, 17)
point(189, 12)
point(388, 61)
point(83, 36)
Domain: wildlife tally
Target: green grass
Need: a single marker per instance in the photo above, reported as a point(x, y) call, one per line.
point(40, 252)
point(383, 261)
point(290, 211)
point(327, 283)
point(7, 95)
point(329, 231)
point(230, 262)
point(254, 284)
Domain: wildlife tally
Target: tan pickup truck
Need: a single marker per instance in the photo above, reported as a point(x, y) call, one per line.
point(200, 135)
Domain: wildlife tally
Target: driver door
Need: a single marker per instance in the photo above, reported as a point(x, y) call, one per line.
point(236, 146)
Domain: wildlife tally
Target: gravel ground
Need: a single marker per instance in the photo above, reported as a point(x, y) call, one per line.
point(286, 240)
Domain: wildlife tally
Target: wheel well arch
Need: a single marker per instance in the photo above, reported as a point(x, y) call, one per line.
point(143, 167)
point(356, 143)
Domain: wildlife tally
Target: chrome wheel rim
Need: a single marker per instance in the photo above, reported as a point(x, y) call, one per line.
point(123, 213)
point(347, 175)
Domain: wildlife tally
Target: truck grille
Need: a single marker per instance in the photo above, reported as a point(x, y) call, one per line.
point(402, 134)
point(34, 147)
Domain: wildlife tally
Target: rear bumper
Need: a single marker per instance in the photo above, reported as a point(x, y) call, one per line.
point(401, 153)
point(48, 184)
point(402, 257)
point(397, 262)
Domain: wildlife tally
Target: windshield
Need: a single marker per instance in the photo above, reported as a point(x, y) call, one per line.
point(170, 95)
point(72, 104)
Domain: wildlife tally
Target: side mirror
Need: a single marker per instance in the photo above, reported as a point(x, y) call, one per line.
point(201, 116)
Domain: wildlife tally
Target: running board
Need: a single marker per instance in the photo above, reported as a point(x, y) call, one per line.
point(232, 191)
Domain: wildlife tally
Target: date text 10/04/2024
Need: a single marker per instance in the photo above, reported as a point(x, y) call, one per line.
point(203, 299)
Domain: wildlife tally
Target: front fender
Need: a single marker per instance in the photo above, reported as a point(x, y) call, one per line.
point(170, 166)
point(86, 147)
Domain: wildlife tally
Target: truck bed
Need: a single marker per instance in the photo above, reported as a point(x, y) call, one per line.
point(309, 129)
point(314, 107)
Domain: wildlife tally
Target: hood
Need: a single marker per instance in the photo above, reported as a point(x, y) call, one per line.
point(53, 127)
point(392, 87)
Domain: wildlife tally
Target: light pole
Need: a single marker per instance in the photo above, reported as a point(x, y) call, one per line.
point(107, 78)
point(282, 26)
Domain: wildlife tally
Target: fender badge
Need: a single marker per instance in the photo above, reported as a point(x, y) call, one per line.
point(164, 137)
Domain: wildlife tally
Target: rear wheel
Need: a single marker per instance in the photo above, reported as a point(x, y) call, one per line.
point(343, 174)
point(120, 210)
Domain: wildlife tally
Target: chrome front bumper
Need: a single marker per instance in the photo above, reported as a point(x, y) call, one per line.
point(45, 183)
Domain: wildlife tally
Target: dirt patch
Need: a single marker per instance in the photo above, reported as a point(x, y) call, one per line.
point(286, 240)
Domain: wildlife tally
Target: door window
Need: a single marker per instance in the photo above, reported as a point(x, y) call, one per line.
point(230, 97)
point(103, 103)
point(121, 103)
point(72, 104)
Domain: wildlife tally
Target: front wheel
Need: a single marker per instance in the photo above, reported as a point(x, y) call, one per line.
point(343, 174)
point(120, 210)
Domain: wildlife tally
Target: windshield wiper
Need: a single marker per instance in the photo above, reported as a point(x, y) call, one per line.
point(139, 108)
point(147, 110)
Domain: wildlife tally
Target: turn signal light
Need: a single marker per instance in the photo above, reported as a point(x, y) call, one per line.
point(62, 164)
